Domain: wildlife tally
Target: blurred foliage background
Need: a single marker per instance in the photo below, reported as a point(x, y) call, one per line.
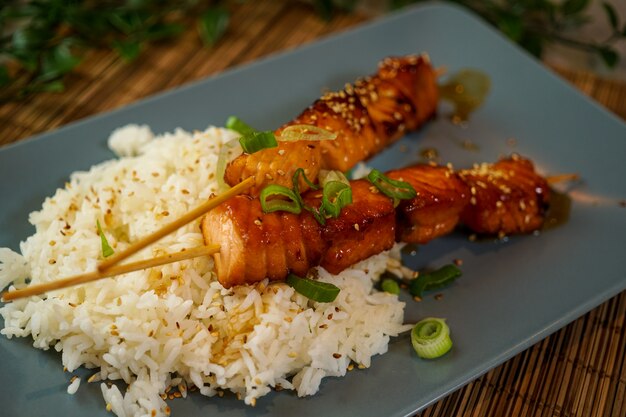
point(41, 41)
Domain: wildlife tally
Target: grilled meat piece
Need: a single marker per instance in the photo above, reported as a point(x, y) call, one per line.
point(506, 197)
point(366, 116)
point(364, 228)
point(255, 245)
point(441, 197)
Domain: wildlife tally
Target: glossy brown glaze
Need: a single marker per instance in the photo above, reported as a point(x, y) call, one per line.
point(364, 228)
point(256, 245)
point(441, 197)
point(366, 117)
point(506, 197)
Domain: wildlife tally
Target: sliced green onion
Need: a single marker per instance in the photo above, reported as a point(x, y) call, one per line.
point(322, 292)
point(256, 141)
point(398, 190)
point(434, 280)
point(335, 196)
point(305, 132)
point(292, 205)
point(229, 151)
point(296, 181)
point(326, 175)
point(390, 285)
point(296, 189)
point(107, 250)
point(431, 338)
point(239, 126)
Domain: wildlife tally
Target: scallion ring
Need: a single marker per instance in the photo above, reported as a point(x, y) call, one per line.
point(390, 285)
point(322, 292)
point(398, 190)
point(326, 175)
point(239, 126)
point(257, 141)
point(291, 205)
point(229, 151)
point(305, 132)
point(335, 196)
point(431, 338)
point(296, 181)
point(296, 189)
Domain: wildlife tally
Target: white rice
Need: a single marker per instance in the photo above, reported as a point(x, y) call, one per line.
point(176, 326)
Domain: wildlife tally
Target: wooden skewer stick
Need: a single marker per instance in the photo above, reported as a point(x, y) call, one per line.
point(114, 270)
point(553, 179)
point(175, 225)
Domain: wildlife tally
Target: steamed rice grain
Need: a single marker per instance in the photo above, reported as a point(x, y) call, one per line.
point(176, 325)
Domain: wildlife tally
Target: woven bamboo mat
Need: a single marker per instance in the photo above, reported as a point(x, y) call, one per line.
point(578, 371)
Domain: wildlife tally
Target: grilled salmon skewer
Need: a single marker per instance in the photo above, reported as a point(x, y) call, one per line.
point(506, 197)
point(366, 117)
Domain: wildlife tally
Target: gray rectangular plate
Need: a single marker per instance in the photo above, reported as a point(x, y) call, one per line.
point(512, 293)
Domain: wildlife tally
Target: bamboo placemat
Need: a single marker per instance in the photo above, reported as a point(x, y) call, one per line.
point(578, 371)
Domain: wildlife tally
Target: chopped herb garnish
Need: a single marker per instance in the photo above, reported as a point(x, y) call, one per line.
point(239, 126)
point(251, 140)
point(390, 285)
point(107, 250)
point(322, 292)
point(257, 141)
point(277, 203)
point(335, 196)
point(434, 280)
point(398, 190)
point(431, 338)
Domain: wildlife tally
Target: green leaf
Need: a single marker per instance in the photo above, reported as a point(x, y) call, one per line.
point(56, 86)
point(533, 44)
point(611, 14)
point(609, 56)
point(212, 24)
point(107, 250)
point(573, 6)
point(59, 61)
point(128, 49)
point(126, 22)
point(512, 26)
point(25, 40)
point(164, 31)
point(5, 78)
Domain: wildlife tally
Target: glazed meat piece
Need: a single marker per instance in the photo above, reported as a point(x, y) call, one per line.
point(366, 117)
point(255, 245)
point(364, 228)
point(441, 197)
point(506, 197)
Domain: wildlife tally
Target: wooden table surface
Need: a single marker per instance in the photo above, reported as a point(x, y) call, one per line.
point(578, 371)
